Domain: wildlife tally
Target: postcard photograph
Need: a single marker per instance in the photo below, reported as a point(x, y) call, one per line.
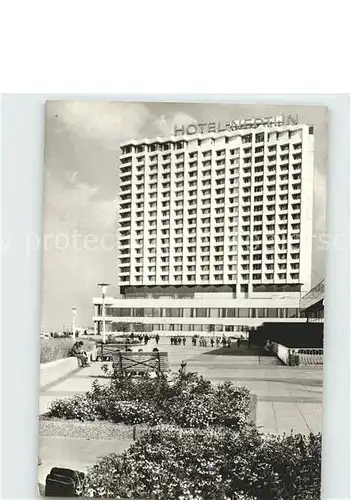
point(183, 287)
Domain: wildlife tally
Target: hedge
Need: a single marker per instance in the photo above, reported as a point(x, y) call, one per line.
point(189, 401)
point(211, 465)
point(53, 349)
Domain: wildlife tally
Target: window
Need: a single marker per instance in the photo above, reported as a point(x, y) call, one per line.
point(247, 138)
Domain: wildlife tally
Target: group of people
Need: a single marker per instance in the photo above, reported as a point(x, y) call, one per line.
point(141, 337)
point(213, 341)
point(178, 340)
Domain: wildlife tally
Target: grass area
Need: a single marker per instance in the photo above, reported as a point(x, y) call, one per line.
point(53, 349)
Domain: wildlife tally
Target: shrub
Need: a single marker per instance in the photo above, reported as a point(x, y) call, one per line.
point(184, 400)
point(211, 464)
point(53, 349)
point(77, 407)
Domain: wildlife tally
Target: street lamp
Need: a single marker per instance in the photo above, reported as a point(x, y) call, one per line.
point(74, 312)
point(103, 287)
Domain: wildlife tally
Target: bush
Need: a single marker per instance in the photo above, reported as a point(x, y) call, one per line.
point(78, 407)
point(211, 464)
point(184, 400)
point(53, 349)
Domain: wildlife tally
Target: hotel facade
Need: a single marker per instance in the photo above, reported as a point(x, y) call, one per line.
point(215, 231)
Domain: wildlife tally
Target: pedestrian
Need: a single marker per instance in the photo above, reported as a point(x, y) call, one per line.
point(218, 341)
point(182, 369)
point(171, 340)
point(194, 340)
point(212, 342)
point(157, 338)
point(184, 340)
point(224, 341)
point(229, 343)
point(238, 342)
point(146, 339)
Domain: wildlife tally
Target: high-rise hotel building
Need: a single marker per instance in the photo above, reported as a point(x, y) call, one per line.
point(215, 230)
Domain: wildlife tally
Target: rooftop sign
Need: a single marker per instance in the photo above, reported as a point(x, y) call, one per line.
point(233, 125)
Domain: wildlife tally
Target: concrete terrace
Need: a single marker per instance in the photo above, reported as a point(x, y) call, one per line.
point(288, 399)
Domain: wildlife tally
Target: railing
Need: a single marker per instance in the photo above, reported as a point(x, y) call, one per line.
point(310, 356)
point(313, 296)
point(298, 356)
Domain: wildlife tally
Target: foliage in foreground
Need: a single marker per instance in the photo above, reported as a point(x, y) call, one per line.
point(211, 465)
point(53, 349)
point(184, 400)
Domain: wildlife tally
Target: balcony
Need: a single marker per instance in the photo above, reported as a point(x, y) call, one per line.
point(124, 243)
point(125, 177)
point(126, 157)
point(296, 187)
point(125, 216)
point(124, 210)
point(126, 193)
point(124, 273)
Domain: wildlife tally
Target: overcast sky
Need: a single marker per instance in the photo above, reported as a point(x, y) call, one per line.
point(82, 148)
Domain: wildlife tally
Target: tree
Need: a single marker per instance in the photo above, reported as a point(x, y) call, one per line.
point(120, 327)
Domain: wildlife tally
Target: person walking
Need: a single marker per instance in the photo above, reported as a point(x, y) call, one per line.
point(146, 339)
point(184, 340)
point(157, 338)
point(212, 342)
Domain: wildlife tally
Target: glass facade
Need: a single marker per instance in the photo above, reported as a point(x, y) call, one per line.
point(174, 327)
point(202, 312)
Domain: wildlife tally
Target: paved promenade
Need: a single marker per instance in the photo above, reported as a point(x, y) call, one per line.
point(287, 398)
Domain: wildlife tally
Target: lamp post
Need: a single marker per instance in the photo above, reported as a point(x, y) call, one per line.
point(103, 287)
point(74, 312)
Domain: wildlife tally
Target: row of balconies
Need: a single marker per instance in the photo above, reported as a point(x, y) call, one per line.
point(193, 192)
point(187, 278)
point(126, 177)
point(213, 269)
point(179, 147)
point(180, 153)
point(207, 175)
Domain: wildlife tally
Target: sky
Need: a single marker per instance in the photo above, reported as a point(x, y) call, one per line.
point(82, 147)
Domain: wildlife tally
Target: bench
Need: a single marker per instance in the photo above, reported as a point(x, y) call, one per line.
point(106, 352)
point(140, 362)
